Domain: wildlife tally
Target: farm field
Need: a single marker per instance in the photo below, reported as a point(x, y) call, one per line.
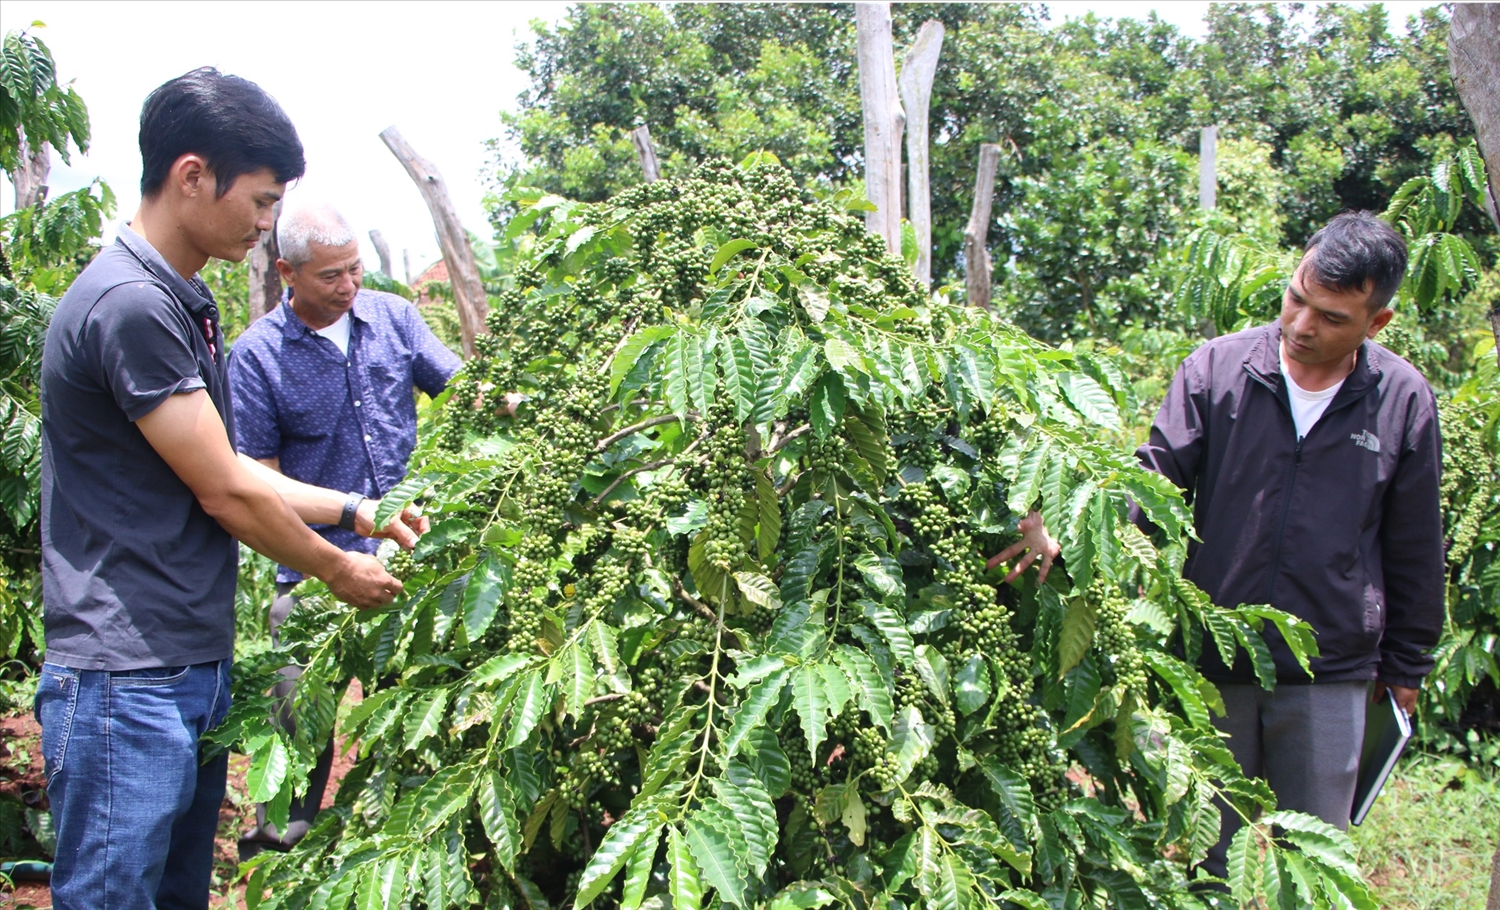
point(790, 333)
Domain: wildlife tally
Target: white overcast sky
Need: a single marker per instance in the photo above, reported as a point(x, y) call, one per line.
point(440, 71)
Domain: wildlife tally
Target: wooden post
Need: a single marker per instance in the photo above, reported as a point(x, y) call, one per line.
point(977, 264)
point(468, 289)
point(264, 281)
point(884, 120)
point(1208, 178)
point(406, 261)
point(383, 250)
point(30, 178)
point(641, 136)
point(1474, 60)
point(917, 72)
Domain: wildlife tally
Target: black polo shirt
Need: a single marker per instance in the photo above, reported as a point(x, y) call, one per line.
point(134, 573)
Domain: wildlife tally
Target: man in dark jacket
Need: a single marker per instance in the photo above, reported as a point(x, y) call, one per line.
point(1310, 456)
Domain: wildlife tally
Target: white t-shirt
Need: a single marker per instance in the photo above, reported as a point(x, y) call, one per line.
point(1307, 406)
point(338, 333)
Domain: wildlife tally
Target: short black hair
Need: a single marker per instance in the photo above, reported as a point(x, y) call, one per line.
point(1354, 250)
point(231, 122)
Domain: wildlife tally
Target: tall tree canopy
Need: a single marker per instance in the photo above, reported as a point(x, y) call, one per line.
point(1332, 109)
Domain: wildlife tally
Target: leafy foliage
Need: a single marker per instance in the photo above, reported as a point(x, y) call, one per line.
point(23, 327)
point(709, 623)
point(32, 105)
point(1319, 111)
point(45, 246)
point(1425, 209)
point(1461, 696)
point(41, 250)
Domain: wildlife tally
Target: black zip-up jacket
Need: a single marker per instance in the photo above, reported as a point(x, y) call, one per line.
point(1343, 529)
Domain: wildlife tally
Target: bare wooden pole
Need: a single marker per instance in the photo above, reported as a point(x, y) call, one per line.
point(1474, 59)
point(977, 264)
point(383, 250)
point(1208, 176)
point(30, 179)
point(264, 280)
point(468, 289)
point(641, 136)
point(884, 119)
point(917, 72)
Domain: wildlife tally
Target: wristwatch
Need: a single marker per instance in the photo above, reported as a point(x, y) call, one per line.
point(351, 506)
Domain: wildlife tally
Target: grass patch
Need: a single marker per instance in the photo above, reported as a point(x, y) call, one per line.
point(1427, 843)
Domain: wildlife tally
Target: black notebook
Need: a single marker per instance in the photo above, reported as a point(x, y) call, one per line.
point(1387, 728)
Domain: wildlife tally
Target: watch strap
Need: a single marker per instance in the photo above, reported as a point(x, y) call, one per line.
point(351, 507)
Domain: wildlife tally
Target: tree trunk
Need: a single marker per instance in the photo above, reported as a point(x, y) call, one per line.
point(976, 235)
point(406, 261)
point(917, 72)
point(884, 120)
point(641, 136)
point(30, 178)
point(383, 250)
point(1474, 61)
point(468, 289)
point(1494, 902)
point(265, 281)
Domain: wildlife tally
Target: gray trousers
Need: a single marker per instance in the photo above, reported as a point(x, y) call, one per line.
point(1304, 740)
point(304, 810)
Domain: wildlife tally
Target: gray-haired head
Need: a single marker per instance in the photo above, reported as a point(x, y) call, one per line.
point(299, 229)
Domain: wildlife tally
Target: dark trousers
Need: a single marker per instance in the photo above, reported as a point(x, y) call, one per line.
point(1304, 740)
point(305, 809)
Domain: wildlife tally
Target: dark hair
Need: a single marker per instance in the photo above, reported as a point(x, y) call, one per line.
point(231, 122)
point(1357, 249)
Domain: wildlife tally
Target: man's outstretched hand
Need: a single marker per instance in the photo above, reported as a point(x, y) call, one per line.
point(404, 529)
point(1035, 542)
point(510, 402)
point(362, 582)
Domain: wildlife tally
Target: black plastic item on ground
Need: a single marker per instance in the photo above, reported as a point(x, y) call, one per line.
point(27, 870)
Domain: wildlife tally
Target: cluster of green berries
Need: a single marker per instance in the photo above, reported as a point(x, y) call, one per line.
point(400, 565)
point(1116, 643)
point(1470, 475)
point(614, 731)
point(725, 473)
point(527, 598)
point(928, 515)
point(987, 434)
point(825, 454)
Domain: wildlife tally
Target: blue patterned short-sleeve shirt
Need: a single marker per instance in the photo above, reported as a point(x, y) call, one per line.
point(344, 422)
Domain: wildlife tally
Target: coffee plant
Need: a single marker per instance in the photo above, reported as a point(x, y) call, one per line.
point(707, 624)
point(42, 247)
point(1462, 699)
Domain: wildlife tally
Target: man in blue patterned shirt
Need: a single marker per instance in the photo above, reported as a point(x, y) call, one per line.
point(322, 390)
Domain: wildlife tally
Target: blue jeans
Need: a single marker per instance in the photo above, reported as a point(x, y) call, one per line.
point(134, 807)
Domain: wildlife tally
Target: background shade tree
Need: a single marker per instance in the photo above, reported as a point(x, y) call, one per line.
point(1100, 117)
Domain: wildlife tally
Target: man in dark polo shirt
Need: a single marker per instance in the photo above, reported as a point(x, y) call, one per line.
point(322, 389)
point(142, 499)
